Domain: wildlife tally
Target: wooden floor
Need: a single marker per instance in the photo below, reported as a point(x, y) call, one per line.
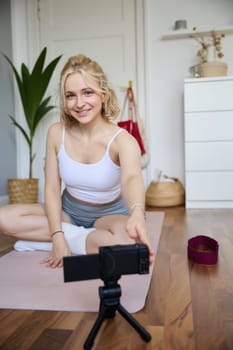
point(188, 307)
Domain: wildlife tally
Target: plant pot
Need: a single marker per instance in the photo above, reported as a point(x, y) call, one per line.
point(23, 191)
point(213, 69)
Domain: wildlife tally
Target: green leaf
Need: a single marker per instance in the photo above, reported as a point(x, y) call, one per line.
point(21, 129)
point(38, 67)
point(40, 80)
point(25, 82)
point(41, 111)
point(17, 78)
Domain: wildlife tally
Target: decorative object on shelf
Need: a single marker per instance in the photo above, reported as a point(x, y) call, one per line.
point(180, 24)
point(210, 46)
point(195, 70)
point(31, 87)
point(213, 69)
point(209, 54)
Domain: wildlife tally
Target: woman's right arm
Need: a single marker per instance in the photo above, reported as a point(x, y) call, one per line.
point(53, 197)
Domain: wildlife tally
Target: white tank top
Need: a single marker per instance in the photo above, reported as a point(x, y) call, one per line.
point(95, 183)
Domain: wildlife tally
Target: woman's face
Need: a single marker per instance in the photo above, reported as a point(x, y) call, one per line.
point(82, 102)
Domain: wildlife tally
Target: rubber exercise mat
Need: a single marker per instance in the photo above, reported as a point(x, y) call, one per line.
point(27, 284)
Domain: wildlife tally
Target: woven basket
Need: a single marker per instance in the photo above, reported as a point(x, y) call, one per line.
point(213, 69)
point(23, 190)
point(165, 194)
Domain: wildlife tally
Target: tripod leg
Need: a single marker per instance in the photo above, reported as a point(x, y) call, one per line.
point(109, 297)
point(134, 323)
point(91, 337)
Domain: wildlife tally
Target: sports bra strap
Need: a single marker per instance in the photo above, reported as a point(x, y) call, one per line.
point(63, 134)
point(113, 138)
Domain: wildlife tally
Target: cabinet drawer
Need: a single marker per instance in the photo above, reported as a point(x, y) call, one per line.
point(209, 126)
point(208, 95)
point(208, 156)
point(209, 186)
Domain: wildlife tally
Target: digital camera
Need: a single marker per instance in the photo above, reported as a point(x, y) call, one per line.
point(109, 264)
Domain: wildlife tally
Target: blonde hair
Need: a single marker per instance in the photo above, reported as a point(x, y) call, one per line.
point(90, 71)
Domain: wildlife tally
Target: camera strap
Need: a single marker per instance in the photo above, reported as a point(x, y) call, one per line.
point(203, 250)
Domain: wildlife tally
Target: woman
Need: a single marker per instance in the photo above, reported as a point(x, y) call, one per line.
point(99, 163)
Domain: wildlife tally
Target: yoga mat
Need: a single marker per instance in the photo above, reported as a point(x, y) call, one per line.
point(27, 284)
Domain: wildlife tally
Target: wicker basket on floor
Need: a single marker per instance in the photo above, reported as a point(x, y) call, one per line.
point(23, 191)
point(165, 194)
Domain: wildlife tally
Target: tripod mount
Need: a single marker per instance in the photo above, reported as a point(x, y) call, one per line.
point(110, 295)
point(109, 265)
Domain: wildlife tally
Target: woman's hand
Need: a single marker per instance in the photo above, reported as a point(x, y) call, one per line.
point(136, 228)
point(60, 249)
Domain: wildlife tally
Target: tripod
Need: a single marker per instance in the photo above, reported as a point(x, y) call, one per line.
point(110, 295)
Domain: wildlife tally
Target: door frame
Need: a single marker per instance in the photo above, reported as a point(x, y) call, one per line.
point(25, 42)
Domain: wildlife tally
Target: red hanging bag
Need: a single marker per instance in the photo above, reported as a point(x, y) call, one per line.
point(131, 124)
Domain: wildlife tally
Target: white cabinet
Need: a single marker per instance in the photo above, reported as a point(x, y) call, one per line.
point(208, 107)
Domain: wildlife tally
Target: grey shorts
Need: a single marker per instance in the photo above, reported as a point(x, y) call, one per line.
point(85, 215)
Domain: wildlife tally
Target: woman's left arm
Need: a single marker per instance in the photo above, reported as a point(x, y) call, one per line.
point(133, 190)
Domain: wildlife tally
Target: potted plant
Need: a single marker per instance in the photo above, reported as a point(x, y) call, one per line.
point(31, 87)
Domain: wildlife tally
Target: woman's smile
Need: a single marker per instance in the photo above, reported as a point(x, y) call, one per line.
point(83, 113)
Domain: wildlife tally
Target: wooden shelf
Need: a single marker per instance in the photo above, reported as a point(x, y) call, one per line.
point(187, 33)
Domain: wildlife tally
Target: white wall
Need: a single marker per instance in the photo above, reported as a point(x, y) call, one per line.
point(168, 66)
